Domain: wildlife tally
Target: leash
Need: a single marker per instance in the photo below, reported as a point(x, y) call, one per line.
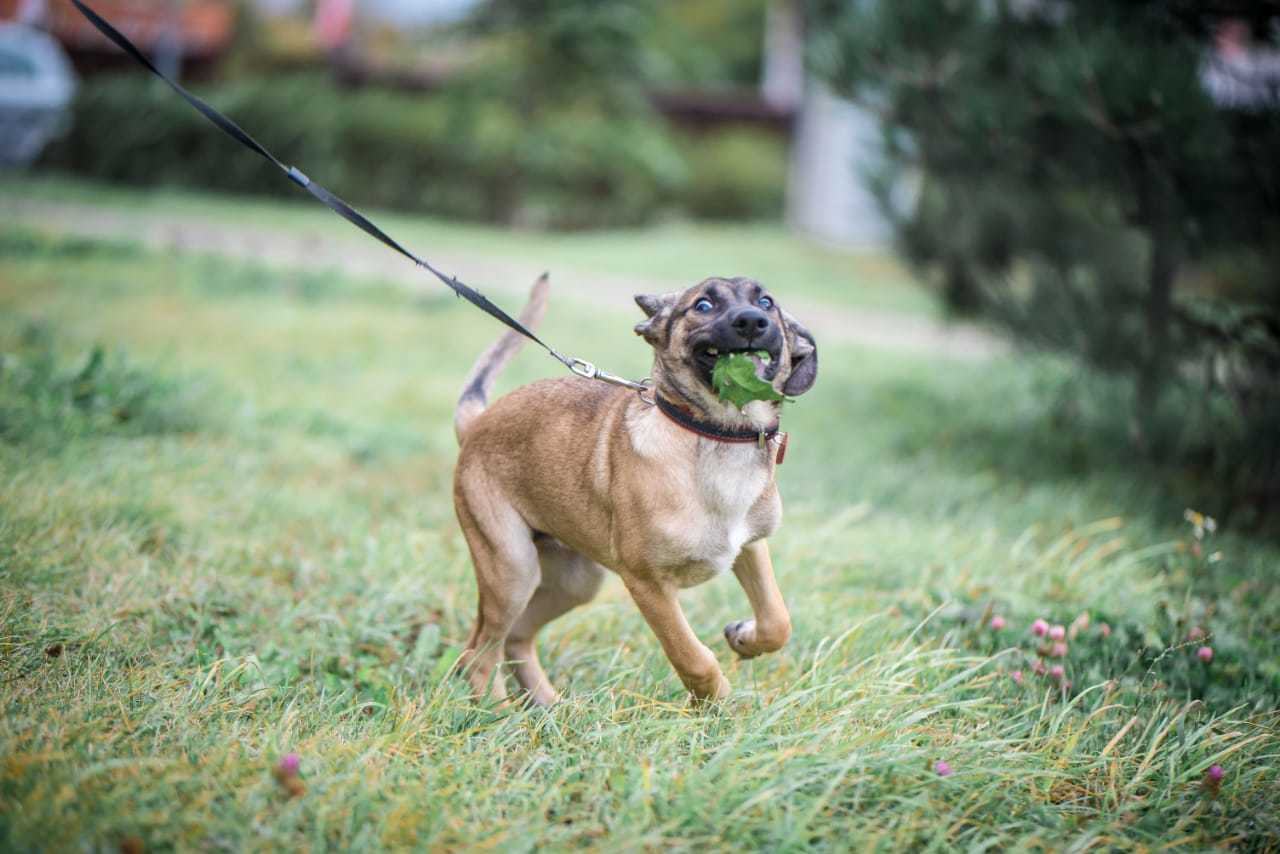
point(581, 367)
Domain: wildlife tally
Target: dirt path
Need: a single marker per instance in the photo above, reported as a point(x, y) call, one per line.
point(363, 257)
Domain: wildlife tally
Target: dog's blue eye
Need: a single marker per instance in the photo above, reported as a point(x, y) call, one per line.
point(765, 303)
point(703, 305)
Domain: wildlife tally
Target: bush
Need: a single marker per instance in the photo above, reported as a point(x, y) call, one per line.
point(373, 148)
point(736, 174)
point(466, 153)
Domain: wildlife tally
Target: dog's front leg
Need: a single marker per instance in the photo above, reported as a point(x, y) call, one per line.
point(771, 627)
point(694, 663)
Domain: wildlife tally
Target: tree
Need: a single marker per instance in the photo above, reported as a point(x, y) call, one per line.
point(1080, 184)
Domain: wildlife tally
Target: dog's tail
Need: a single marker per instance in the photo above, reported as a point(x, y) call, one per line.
point(475, 392)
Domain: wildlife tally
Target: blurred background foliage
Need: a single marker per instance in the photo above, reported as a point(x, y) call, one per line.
point(1078, 183)
point(545, 119)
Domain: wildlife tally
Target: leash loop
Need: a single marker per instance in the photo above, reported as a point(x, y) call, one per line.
point(580, 367)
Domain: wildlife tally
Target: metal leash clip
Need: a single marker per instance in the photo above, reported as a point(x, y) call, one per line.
point(586, 369)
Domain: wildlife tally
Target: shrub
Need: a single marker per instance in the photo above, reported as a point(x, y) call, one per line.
point(736, 174)
point(465, 153)
point(377, 149)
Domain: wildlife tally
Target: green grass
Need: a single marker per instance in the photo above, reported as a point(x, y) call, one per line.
point(230, 537)
point(683, 252)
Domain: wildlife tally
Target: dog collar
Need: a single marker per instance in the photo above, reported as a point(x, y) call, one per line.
point(711, 430)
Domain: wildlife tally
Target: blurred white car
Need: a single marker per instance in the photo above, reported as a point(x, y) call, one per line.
point(36, 87)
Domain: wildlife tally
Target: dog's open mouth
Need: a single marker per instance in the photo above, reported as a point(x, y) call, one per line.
point(766, 363)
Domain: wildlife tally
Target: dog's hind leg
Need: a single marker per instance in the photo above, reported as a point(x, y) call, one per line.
point(568, 580)
point(507, 573)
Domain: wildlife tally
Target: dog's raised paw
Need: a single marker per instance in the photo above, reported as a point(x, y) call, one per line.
point(741, 637)
point(748, 638)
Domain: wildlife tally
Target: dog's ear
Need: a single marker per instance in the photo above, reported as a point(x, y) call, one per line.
point(654, 306)
point(804, 358)
point(651, 304)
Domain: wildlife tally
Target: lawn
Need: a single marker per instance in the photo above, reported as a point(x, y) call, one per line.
point(226, 535)
point(680, 250)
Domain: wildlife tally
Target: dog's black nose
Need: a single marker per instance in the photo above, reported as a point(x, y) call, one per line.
point(750, 322)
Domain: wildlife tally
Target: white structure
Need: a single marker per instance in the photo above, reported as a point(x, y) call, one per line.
point(834, 148)
point(834, 143)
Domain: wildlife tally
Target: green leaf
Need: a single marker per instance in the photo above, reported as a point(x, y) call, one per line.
point(734, 379)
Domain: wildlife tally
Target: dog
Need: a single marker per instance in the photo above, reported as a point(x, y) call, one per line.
point(564, 478)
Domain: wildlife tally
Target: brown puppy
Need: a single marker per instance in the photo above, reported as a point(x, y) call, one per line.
point(562, 478)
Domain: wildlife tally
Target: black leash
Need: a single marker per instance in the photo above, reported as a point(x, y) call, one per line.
point(578, 366)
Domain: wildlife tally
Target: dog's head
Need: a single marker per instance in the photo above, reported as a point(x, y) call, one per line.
point(690, 330)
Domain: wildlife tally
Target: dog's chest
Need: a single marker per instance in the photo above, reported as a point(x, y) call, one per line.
point(727, 483)
point(729, 479)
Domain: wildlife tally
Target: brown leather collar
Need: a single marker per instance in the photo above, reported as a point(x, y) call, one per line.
point(710, 429)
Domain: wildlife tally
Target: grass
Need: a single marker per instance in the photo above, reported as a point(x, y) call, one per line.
point(228, 537)
point(686, 252)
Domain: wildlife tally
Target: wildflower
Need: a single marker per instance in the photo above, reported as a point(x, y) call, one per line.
point(1195, 634)
point(997, 622)
point(1039, 628)
point(1037, 667)
point(1058, 650)
point(942, 767)
point(1057, 671)
point(1016, 676)
point(1212, 780)
point(1205, 654)
point(1104, 629)
point(1057, 633)
point(1200, 523)
point(286, 774)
